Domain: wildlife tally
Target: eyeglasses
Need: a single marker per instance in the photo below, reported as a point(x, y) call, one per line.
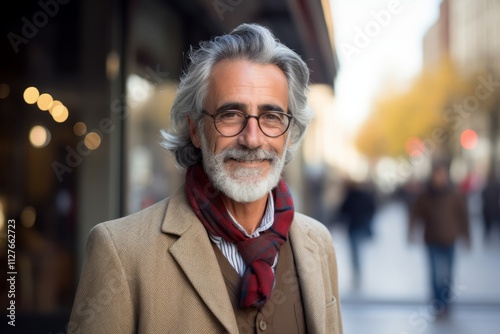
point(230, 123)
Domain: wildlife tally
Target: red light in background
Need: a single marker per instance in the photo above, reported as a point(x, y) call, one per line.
point(414, 147)
point(469, 139)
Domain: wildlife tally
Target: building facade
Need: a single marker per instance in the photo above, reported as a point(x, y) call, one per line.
point(467, 34)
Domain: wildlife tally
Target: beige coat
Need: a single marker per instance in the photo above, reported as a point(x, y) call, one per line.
point(156, 272)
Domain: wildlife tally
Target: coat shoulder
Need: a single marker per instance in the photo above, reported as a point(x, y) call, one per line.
point(134, 230)
point(143, 219)
point(310, 222)
point(311, 226)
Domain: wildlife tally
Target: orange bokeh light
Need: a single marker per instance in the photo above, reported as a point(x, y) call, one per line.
point(414, 147)
point(469, 139)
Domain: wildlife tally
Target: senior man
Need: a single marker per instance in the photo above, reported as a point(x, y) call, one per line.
point(226, 253)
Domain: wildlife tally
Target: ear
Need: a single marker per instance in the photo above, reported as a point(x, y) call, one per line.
point(194, 134)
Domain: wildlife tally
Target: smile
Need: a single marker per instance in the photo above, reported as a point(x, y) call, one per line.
point(249, 161)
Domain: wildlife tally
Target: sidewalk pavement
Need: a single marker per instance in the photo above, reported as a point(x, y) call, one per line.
point(418, 319)
point(394, 294)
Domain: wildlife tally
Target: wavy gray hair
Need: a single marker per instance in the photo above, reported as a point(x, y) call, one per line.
point(248, 41)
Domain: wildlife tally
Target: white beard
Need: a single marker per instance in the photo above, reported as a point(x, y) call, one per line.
point(244, 184)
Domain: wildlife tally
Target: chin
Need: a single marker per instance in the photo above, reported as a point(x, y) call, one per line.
point(246, 192)
point(247, 184)
point(244, 175)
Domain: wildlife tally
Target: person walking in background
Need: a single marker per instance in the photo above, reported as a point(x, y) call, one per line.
point(442, 211)
point(357, 211)
point(490, 197)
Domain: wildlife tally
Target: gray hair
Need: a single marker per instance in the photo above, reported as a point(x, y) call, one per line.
point(248, 41)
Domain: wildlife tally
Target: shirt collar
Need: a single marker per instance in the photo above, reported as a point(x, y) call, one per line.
point(266, 222)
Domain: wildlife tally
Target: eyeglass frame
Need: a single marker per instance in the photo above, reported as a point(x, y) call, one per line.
point(247, 117)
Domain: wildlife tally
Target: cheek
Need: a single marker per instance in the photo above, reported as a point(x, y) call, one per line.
point(220, 143)
point(215, 142)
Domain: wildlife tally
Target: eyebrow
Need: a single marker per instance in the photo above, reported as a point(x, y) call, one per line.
point(231, 106)
point(244, 107)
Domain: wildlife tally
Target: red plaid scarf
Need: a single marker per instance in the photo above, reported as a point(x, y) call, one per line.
point(258, 253)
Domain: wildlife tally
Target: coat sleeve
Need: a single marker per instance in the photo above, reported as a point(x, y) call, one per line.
point(103, 302)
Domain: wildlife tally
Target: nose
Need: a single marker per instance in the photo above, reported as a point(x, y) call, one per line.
point(251, 137)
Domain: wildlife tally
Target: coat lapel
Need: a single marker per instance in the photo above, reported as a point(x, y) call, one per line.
point(194, 254)
point(308, 262)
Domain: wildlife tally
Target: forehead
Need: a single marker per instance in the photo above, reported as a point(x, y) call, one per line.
point(247, 82)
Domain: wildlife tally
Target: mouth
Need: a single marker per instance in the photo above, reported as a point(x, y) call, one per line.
point(249, 158)
point(254, 161)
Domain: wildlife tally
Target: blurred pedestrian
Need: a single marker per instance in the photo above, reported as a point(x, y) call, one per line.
point(490, 196)
point(442, 211)
point(409, 191)
point(357, 211)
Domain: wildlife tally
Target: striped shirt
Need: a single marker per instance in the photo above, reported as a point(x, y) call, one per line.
point(230, 250)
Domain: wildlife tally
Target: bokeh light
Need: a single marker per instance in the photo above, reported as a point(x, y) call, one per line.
point(414, 147)
point(28, 216)
point(80, 129)
point(92, 141)
point(4, 90)
point(31, 95)
point(54, 104)
point(39, 136)
point(112, 65)
point(44, 101)
point(469, 139)
point(60, 113)
point(2, 215)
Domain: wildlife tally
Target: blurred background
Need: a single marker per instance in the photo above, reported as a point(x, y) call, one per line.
point(396, 86)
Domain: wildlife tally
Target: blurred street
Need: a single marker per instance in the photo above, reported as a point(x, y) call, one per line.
point(393, 295)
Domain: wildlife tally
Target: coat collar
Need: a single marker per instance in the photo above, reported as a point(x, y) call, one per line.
point(181, 221)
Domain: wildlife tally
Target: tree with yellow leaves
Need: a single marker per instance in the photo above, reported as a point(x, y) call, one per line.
point(400, 123)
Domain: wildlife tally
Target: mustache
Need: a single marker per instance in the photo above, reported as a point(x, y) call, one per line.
point(240, 154)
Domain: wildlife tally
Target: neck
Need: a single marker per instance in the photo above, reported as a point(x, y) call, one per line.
point(248, 215)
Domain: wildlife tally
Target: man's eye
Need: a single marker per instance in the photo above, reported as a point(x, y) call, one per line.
point(230, 114)
point(273, 117)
